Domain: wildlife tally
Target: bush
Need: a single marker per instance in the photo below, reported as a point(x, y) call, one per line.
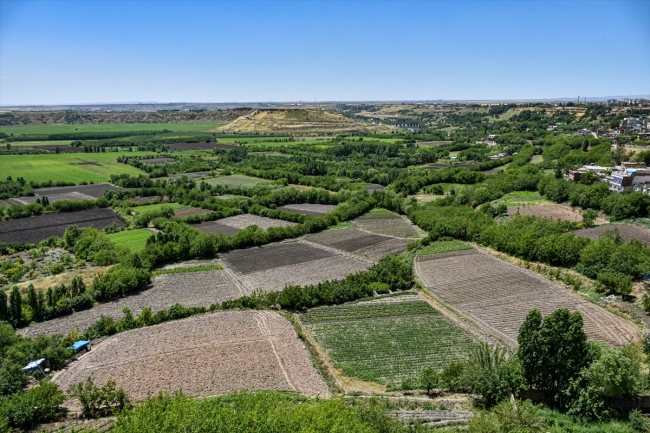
point(96, 400)
point(57, 268)
point(29, 408)
point(12, 378)
point(119, 281)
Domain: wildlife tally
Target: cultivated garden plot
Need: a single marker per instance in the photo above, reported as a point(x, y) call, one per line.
point(246, 220)
point(387, 339)
point(386, 223)
point(96, 190)
point(56, 197)
point(235, 180)
point(191, 289)
point(498, 295)
point(202, 355)
point(551, 211)
point(383, 249)
point(308, 208)
point(272, 267)
point(38, 228)
point(215, 227)
point(626, 231)
point(186, 211)
point(347, 239)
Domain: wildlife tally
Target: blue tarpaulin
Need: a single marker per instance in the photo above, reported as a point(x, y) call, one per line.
point(34, 365)
point(78, 345)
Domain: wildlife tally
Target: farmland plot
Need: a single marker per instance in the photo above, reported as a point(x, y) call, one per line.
point(386, 223)
point(157, 160)
point(56, 197)
point(202, 355)
point(308, 208)
point(199, 146)
point(499, 295)
point(627, 232)
point(235, 181)
point(272, 267)
point(246, 220)
point(387, 339)
point(551, 211)
point(367, 245)
point(215, 227)
point(38, 228)
point(191, 289)
point(96, 190)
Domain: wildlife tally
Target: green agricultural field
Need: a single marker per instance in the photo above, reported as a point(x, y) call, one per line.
point(134, 240)
point(443, 247)
point(387, 339)
point(235, 180)
point(61, 143)
point(139, 210)
point(109, 127)
point(67, 167)
point(523, 198)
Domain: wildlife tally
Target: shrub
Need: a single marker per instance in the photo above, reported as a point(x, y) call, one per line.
point(26, 409)
point(95, 400)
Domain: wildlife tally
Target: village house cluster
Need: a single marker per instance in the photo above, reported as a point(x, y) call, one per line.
point(629, 176)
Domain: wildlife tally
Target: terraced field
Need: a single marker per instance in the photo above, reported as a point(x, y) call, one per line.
point(202, 355)
point(191, 289)
point(272, 267)
point(499, 295)
point(387, 339)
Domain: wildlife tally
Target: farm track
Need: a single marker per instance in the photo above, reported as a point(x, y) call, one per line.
point(498, 295)
point(204, 355)
point(191, 289)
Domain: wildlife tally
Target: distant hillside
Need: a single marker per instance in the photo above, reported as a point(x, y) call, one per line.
point(81, 118)
point(297, 120)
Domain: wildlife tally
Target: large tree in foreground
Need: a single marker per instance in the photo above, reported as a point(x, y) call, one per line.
point(552, 350)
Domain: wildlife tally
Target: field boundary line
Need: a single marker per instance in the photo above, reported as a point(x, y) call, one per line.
point(240, 286)
point(325, 366)
point(336, 251)
point(260, 318)
point(454, 315)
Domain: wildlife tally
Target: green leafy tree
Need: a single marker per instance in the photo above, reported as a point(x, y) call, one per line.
point(32, 301)
point(16, 307)
point(429, 378)
point(4, 308)
point(553, 351)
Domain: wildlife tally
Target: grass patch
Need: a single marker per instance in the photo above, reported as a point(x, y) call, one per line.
point(155, 207)
point(443, 247)
point(110, 127)
point(389, 340)
point(67, 167)
point(134, 240)
point(537, 159)
point(186, 270)
point(523, 198)
point(235, 180)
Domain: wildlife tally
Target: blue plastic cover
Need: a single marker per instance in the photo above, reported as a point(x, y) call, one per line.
point(78, 345)
point(34, 365)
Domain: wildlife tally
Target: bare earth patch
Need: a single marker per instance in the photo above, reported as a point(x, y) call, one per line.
point(202, 355)
point(627, 232)
point(498, 295)
point(308, 208)
point(245, 220)
point(388, 223)
point(191, 289)
point(552, 211)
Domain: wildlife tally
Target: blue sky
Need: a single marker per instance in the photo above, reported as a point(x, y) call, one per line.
point(54, 52)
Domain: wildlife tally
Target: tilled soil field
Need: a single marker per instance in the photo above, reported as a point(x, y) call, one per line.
point(249, 260)
point(245, 220)
point(552, 211)
point(191, 289)
point(272, 267)
point(96, 190)
point(313, 272)
point(186, 211)
point(627, 232)
point(498, 295)
point(215, 227)
point(389, 224)
point(349, 240)
point(38, 228)
point(57, 197)
point(202, 355)
point(383, 249)
point(308, 208)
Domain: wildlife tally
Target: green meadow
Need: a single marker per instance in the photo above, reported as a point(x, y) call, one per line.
point(134, 240)
point(67, 167)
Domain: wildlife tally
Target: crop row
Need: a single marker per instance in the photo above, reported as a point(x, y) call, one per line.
point(366, 310)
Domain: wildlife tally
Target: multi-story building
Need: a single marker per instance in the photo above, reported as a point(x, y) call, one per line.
point(630, 176)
